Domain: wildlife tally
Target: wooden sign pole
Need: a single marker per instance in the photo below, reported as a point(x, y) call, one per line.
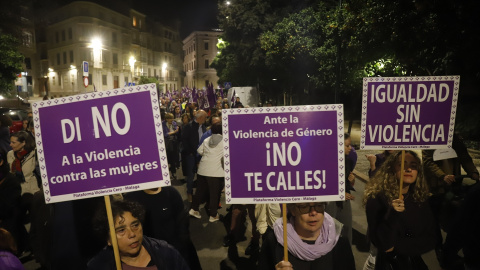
point(113, 235)
point(402, 169)
point(285, 245)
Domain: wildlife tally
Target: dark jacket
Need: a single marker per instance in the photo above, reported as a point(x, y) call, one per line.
point(190, 138)
point(340, 257)
point(410, 232)
point(163, 255)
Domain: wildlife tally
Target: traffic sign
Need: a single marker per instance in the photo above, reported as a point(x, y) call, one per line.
point(85, 81)
point(85, 68)
point(228, 85)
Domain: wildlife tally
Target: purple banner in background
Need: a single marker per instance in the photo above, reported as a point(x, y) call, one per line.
point(100, 143)
point(284, 154)
point(409, 112)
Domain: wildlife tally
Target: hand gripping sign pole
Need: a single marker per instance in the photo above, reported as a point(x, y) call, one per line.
point(113, 235)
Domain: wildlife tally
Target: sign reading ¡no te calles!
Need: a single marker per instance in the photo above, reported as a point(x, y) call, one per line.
point(100, 143)
point(409, 112)
point(284, 154)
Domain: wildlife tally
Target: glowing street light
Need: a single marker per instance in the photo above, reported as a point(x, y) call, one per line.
point(164, 74)
point(132, 61)
point(96, 45)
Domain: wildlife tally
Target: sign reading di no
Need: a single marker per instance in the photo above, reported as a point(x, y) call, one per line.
point(409, 112)
point(100, 143)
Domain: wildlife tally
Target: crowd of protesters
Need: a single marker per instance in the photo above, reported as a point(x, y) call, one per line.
point(152, 226)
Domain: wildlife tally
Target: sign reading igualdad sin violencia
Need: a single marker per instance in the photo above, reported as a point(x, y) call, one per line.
point(284, 154)
point(409, 112)
point(100, 143)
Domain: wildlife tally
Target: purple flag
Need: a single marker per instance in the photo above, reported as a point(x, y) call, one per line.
point(211, 96)
point(194, 95)
point(233, 100)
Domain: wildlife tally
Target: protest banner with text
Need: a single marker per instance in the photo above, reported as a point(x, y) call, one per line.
point(284, 154)
point(100, 143)
point(409, 112)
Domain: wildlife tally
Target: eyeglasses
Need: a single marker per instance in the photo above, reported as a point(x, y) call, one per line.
point(307, 208)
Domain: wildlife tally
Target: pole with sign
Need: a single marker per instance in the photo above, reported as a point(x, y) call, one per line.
point(400, 113)
point(296, 154)
point(85, 73)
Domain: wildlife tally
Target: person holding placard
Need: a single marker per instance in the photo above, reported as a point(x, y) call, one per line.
point(400, 228)
point(136, 250)
point(314, 241)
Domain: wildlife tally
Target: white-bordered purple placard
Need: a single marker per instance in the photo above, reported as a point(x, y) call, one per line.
point(284, 154)
point(100, 143)
point(409, 112)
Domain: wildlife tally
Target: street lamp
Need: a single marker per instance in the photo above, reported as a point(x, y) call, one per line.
point(96, 45)
point(164, 75)
point(132, 61)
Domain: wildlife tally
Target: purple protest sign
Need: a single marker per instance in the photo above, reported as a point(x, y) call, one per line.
point(409, 112)
point(100, 143)
point(284, 154)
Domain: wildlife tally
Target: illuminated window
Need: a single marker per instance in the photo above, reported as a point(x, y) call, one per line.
point(134, 21)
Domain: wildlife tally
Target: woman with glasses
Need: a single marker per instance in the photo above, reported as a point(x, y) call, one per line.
point(401, 229)
point(313, 240)
point(136, 250)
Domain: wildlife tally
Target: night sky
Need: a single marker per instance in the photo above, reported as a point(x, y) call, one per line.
point(194, 15)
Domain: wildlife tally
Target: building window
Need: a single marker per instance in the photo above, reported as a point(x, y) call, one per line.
point(126, 81)
point(90, 80)
point(155, 72)
point(58, 59)
point(134, 22)
point(64, 58)
point(114, 37)
point(206, 64)
point(56, 37)
point(28, 63)
point(71, 56)
point(104, 79)
point(206, 46)
point(27, 39)
point(70, 33)
point(115, 59)
point(63, 35)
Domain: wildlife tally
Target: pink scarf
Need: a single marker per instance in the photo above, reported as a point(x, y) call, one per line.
point(324, 244)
